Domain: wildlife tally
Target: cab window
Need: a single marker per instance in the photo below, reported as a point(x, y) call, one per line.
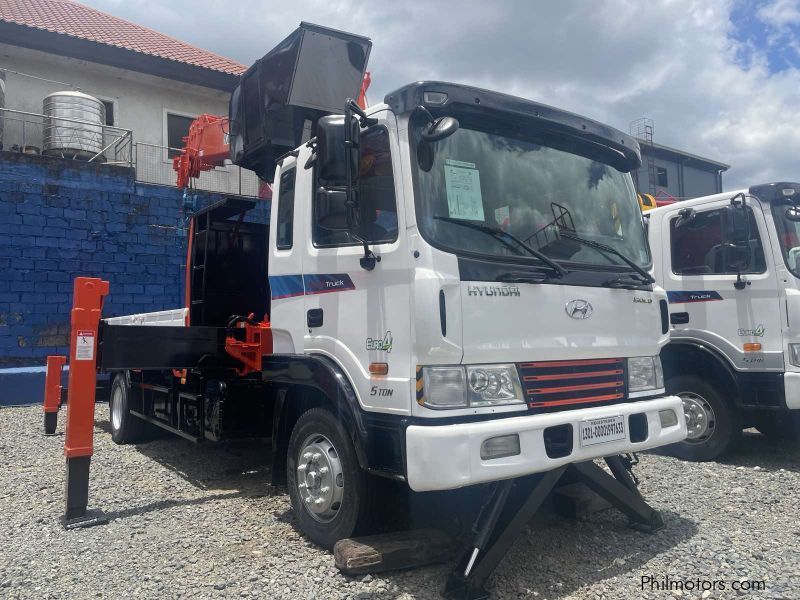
point(285, 223)
point(703, 246)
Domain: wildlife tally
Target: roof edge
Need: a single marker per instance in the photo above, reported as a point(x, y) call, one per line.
point(114, 56)
point(721, 166)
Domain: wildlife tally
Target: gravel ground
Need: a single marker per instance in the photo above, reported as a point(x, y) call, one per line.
point(199, 521)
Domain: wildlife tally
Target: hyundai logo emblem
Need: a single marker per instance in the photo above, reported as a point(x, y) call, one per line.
point(579, 309)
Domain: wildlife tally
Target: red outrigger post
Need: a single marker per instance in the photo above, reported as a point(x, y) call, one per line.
point(87, 303)
point(52, 392)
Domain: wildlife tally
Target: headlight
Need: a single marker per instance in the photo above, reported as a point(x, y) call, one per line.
point(478, 385)
point(794, 354)
point(645, 373)
point(493, 384)
point(445, 387)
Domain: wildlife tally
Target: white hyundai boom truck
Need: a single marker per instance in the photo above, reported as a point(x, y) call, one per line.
point(452, 289)
point(730, 264)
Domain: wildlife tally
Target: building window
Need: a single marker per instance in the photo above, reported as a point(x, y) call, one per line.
point(109, 105)
point(177, 129)
point(285, 210)
point(661, 177)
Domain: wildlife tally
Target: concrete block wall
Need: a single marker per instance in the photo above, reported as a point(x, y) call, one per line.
point(60, 219)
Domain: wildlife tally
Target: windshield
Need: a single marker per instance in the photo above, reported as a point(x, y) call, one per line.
point(534, 189)
point(788, 235)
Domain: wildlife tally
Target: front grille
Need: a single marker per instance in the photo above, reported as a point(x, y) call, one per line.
point(550, 385)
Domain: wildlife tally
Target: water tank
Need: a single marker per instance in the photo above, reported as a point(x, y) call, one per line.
point(68, 138)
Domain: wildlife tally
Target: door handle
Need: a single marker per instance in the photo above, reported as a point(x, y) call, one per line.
point(314, 317)
point(680, 318)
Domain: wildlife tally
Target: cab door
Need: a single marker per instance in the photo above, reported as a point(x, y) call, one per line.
point(355, 316)
point(287, 306)
point(708, 302)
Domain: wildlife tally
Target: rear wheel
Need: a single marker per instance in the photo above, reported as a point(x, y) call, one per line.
point(713, 424)
point(125, 427)
point(327, 487)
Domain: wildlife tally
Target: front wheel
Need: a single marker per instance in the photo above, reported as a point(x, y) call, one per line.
point(712, 424)
point(327, 488)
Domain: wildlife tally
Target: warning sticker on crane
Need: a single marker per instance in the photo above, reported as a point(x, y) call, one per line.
point(84, 347)
point(463, 184)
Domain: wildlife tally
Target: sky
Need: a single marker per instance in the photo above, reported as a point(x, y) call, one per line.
point(719, 78)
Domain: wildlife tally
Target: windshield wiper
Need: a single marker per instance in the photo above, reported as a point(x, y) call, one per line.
point(520, 277)
point(627, 283)
point(500, 235)
point(646, 277)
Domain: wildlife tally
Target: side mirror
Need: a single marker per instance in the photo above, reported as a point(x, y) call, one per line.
point(439, 129)
point(331, 210)
point(792, 214)
point(737, 222)
point(332, 154)
point(685, 216)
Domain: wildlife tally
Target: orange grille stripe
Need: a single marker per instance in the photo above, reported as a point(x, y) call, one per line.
point(587, 399)
point(573, 363)
point(561, 376)
point(575, 388)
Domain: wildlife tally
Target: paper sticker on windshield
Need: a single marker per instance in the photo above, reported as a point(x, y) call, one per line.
point(463, 183)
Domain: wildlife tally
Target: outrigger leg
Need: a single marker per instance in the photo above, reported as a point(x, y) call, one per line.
point(512, 504)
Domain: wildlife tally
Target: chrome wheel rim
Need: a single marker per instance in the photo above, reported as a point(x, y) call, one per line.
point(116, 409)
point(320, 481)
point(700, 418)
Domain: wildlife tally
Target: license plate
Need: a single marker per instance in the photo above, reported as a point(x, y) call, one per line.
point(600, 431)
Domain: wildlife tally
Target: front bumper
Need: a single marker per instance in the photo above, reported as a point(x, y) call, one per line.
point(446, 457)
point(791, 386)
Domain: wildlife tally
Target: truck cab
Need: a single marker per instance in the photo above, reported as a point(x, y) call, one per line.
point(729, 265)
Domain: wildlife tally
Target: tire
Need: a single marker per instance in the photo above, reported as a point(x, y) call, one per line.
point(318, 441)
point(125, 427)
point(722, 428)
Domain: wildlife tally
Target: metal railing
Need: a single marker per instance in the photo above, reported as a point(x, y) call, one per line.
point(33, 133)
point(154, 165)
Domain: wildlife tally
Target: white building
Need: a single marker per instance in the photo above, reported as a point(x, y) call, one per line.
point(150, 83)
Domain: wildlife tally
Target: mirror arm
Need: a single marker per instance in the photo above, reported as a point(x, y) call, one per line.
point(425, 112)
point(351, 107)
point(370, 259)
point(739, 199)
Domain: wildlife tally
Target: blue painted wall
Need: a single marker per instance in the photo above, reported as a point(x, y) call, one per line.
point(60, 219)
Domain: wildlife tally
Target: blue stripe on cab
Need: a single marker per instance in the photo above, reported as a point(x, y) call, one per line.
point(688, 297)
point(290, 286)
point(286, 286)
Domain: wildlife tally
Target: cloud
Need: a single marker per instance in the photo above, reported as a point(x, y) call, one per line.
point(782, 20)
point(678, 62)
point(780, 13)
